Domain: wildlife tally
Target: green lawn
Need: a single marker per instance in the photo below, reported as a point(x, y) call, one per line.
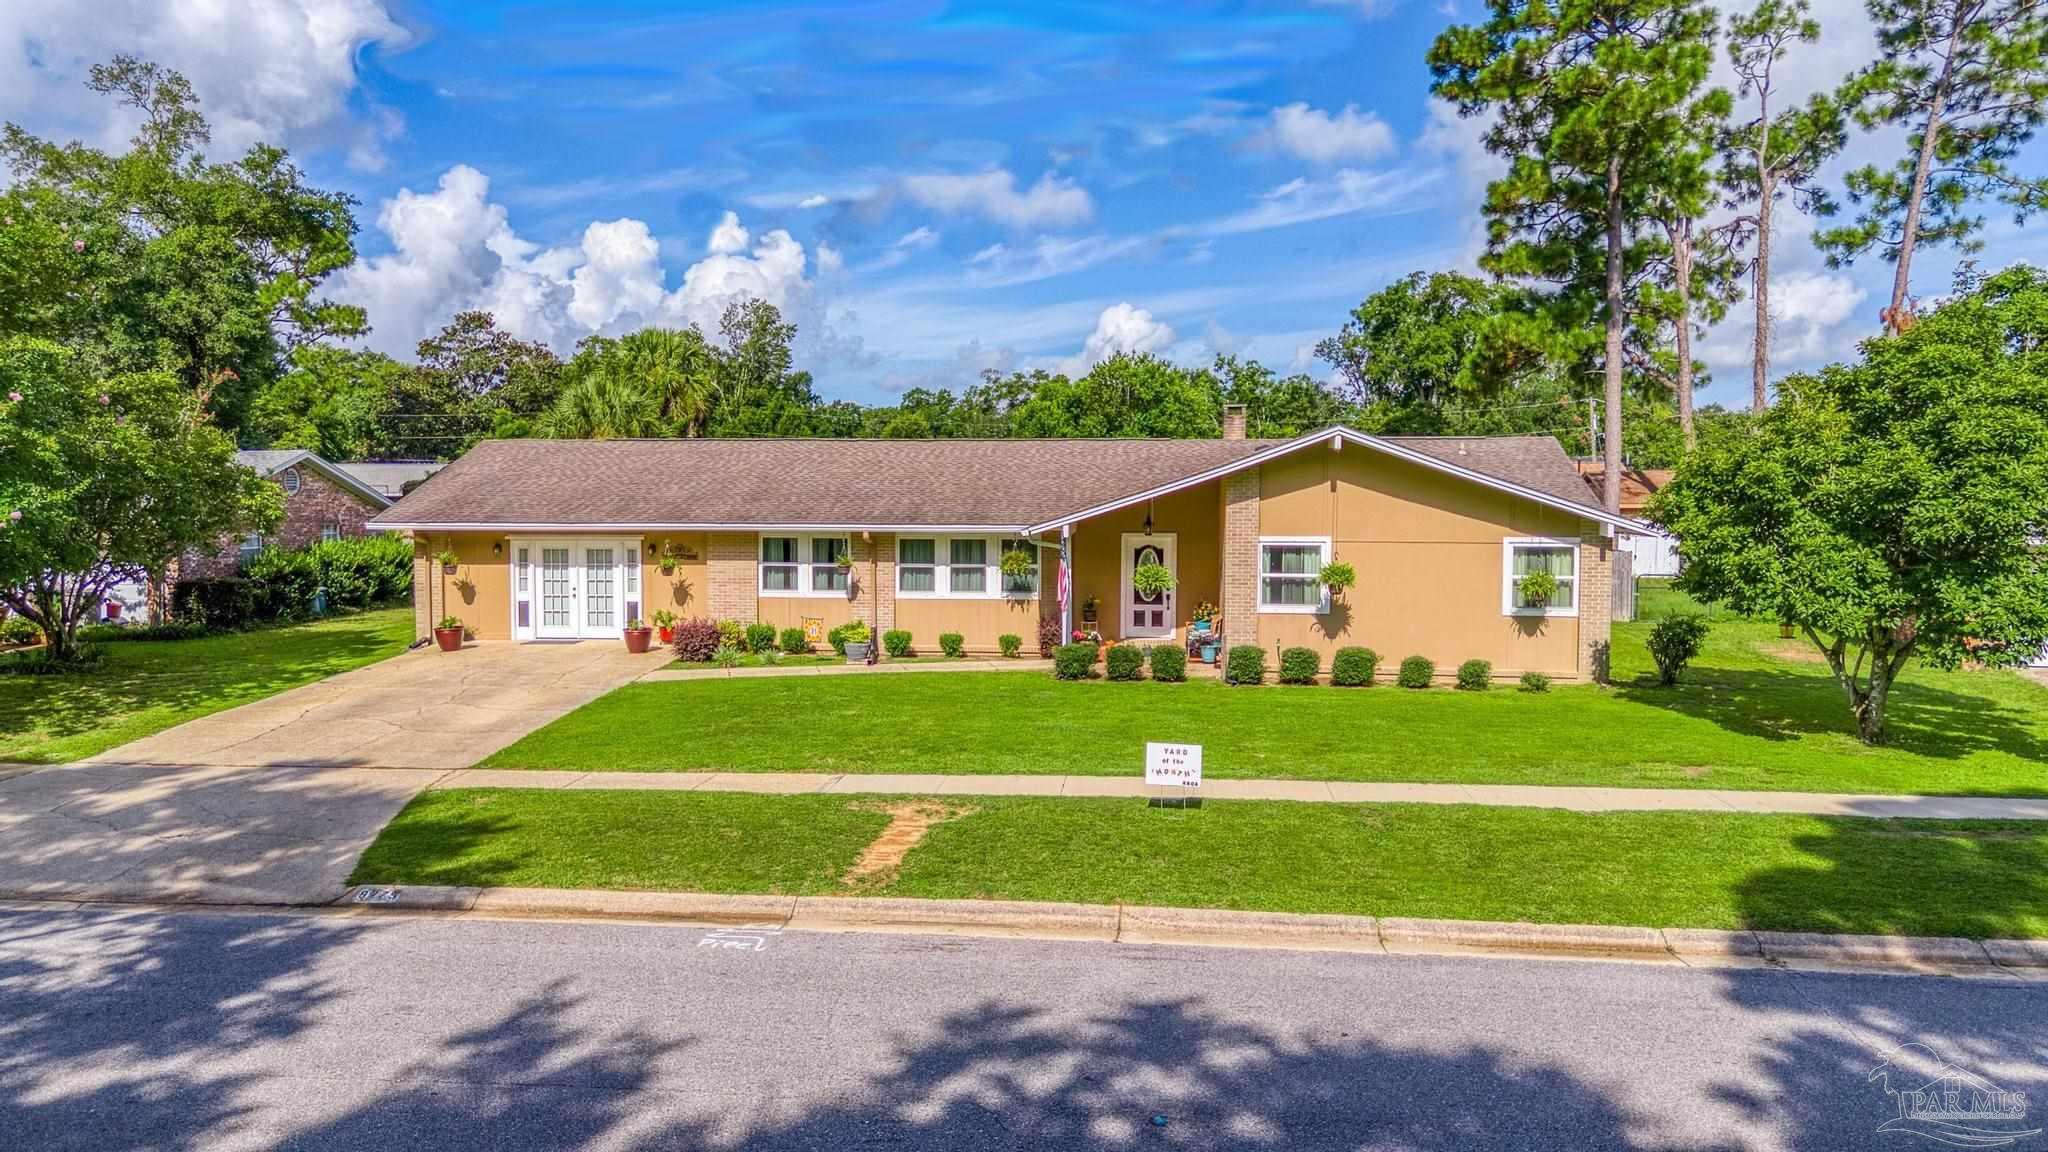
point(1755, 712)
point(146, 686)
point(1663, 869)
point(729, 842)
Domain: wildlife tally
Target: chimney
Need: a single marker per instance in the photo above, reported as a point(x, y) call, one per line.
point(1233, 421)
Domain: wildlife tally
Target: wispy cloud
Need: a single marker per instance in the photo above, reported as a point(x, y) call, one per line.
point(1049, 256)
point(623, 186)
point(1342, 193)
point(1050, 203)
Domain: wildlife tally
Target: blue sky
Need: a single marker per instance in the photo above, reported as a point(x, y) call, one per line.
point(929, 190)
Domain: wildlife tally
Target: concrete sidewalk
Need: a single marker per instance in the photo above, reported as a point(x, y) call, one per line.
point(1311, 791)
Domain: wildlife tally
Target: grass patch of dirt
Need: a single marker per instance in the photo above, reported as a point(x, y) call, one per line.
point(908, 822)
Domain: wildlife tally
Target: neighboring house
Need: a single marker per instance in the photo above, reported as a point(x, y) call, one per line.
point(393, 478)
point(322, 501)
point(1655, 554)
point(563, 539)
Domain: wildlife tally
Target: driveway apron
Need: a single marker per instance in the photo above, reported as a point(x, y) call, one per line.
point(273, 801)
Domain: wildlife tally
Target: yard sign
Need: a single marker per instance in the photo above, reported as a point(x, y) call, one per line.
point(1173, 765)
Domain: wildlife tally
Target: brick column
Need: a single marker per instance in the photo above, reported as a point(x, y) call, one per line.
point(729, 572)
point(422, 589)
point(1241, 557)
point(874, 598)
point(1596, 603)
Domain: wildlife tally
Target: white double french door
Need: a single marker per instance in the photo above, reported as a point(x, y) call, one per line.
point(574, 589)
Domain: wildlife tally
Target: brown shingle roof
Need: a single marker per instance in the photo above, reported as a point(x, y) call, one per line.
point(883, 483)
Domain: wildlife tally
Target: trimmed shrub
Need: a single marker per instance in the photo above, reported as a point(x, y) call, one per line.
point(359, 571)
point(1011, 644)
point(1416, 672)
point(1353, 667)
point(1073, 661)
point(20, 630)
point(1475, 675)
point(952, 644)
point(760, 637)
point(1535, 682)
point(1299, 666)
point(229, 602)
point(732, 634)
point(896, 642)
point(697, 640)
point(1125, 661)
point(1048, 636)
point(282, 584)
point(851, 632)
point(1169, 663)
point(1674, 641)
point(1246, 664)
point(793, 641)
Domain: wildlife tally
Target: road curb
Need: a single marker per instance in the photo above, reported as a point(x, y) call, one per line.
point(1141, 924)
point(962, 917)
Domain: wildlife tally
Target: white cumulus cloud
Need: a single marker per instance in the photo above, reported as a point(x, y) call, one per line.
point(1322, 137)
point(453, 248)
point(993, 194)
point(1120, 328)
point(278, 71)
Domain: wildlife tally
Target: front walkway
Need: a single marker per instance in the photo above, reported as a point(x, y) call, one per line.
point(1312, 791)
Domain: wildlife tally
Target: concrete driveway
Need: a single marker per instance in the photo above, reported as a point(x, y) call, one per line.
point(273, 801)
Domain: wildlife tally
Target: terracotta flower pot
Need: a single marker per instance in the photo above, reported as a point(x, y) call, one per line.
point(637, 638)
point(449, 639)
point(668, 635)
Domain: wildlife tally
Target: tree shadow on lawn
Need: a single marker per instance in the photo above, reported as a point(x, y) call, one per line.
point(145, 674)
point(1974, 878)
point(1000, 1076)
point(1780, 706)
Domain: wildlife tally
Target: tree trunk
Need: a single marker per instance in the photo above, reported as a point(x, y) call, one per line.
point(1867, 696)
point(1760, 352)
point(1610, 479)
point(1902, 275)
point(1681, 255)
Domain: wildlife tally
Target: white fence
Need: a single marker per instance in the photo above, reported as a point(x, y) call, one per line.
point(1654, 555)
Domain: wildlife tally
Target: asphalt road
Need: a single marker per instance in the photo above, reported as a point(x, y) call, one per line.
point(143, 1030)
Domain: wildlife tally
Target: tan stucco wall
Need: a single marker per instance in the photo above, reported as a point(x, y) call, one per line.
point(686, 591)
point(1193, 515)
point(979, 622)
point(1427, 548)
point(478, 591)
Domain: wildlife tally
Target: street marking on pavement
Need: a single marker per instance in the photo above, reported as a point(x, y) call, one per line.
point(744, 937)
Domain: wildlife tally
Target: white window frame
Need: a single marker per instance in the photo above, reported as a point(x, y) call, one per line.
point(942, 567)
point(1508, 606)
point(1322, 604)
point(803, 565)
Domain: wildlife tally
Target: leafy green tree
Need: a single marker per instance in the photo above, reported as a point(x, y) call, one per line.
point(332, 401)
point(1969, 80)
point(102, 480)
point(759, 391)
point(1589, 100)
point(605, 402)
point(1129, 394)
point(1776, 153)
point(1431, 338)
point(1701, 276)
point(1893, 508)
point(1277, 406)
point(156, 258)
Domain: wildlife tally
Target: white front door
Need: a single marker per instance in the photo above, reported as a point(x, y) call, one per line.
point(1146, 617)
point(574, 589)
point(558, 592)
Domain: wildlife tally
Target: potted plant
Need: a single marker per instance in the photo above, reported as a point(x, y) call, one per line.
point(1203, 618)
point(1091, 636)
point(637, 635)
point(1337, 576)
point(1152, 580)
point(665, 622)
point(845, 561)
point(1016, 564)
point(667, 564)
point(1536, 588)
point(856, 642)
point(448, 633)
point(448, 560)
point(1088, 607)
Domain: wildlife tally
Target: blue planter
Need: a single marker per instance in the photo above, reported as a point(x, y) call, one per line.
point(1209, 653)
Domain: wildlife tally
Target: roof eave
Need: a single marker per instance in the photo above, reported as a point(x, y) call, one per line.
point(1338, 434)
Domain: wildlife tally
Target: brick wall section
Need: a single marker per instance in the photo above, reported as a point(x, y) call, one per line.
point(729, 569)
point(1241, 557)
point(318, 503)
point(875, 591)
point(422, 590)
point(1596, 603)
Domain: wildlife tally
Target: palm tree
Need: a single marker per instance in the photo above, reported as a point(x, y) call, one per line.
point(607, 402)
point(676, 368)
